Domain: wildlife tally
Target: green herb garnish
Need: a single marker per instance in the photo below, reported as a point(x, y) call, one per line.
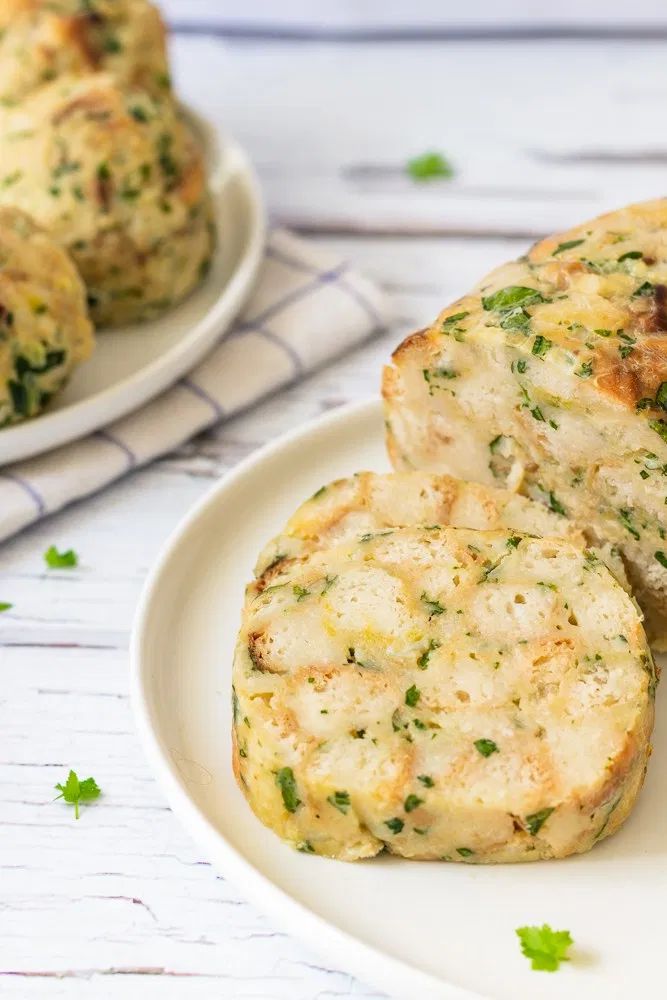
point(340, 801)
point(412, 802)
point(412, 696)
point(545, 948)
point(486, 747)
point(567, 245)
point(75, 791)
point(287, 784)
point(536, 821)
point(429, 166)
point(395, 825)
point(60, 560)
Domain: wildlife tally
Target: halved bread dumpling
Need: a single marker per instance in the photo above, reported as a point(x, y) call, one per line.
point(556, 363)
point(443, 693)
point(368, 501)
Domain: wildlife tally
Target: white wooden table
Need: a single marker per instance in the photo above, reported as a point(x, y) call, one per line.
point(543, 133)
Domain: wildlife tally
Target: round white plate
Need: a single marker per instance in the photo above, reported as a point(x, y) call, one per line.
point(414, 929)
point(133, 364)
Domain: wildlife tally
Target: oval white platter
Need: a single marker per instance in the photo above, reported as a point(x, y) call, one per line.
point(414, 929)
point(133, 364)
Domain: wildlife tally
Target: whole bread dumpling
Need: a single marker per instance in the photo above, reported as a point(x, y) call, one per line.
point(42, 40)
point(443, 693)
point(118, 179)
point(44, 327)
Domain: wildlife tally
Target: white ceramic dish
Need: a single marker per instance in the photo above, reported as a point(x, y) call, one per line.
point(414, 929)
point(133, 364)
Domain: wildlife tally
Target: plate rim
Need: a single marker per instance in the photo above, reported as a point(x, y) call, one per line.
point(118, 400)
point(367, 962)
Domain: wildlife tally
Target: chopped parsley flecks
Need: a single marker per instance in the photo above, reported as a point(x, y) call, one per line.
point(645, 289)
point(630, 255)
point(412, 695)
point(661, 396)
point(340, 801)
point(536, 821)
point(513, 542)
point(659, 555)
point(659, 426)
point(318, 493)
point(510, 297)
point(625, 517)
point(451, 321)
point(422, 662)
point(395, 825)
point(287, 783)
point(426, 780)
point(60, 560)
point(301, 593)
point(541, 345)
point(430, 166)
point(486, 747)
point(585, 370)
point(412, 802)
point(75, 791)
point(545, 948)
point(5, 606)
point(329, 582)
point(567, 245)
point(465, 852)
point(433, 606)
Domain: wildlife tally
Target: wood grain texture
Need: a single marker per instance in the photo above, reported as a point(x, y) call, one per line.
point(121, 904)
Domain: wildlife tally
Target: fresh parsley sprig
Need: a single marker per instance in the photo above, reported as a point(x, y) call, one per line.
point(545, 947)
point(60, 560)
point(75, 791)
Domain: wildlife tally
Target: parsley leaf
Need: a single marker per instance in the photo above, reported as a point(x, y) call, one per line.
point(340, 801)
point(5, 606)
point(513, 295)
point(661, 557)
point(545, 948)
point(541, 345)
point(412, 802)
point(536, 821)
point(426, 780)
point(287, 784)
point(75, 791)
point(422, 662)
point(567, 245)
point(60, 560)
point(395, 825)
point(433, 606)
point(486, 747)
point(412, 695)
point(429, 166)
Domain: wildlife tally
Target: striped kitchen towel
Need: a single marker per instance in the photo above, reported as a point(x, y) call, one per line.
point(307, 308)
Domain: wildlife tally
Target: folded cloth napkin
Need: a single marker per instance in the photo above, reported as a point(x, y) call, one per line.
point(307, 308)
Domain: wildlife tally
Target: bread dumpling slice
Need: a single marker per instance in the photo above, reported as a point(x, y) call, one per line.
point(442, 693)
point(370, 502)
point(556, 363)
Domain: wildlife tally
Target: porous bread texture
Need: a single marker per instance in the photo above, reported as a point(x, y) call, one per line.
point(44, 327)
point(349, 508)
point(43, 40)
point(550, 378)
point(443, 693)
point(117, 178)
